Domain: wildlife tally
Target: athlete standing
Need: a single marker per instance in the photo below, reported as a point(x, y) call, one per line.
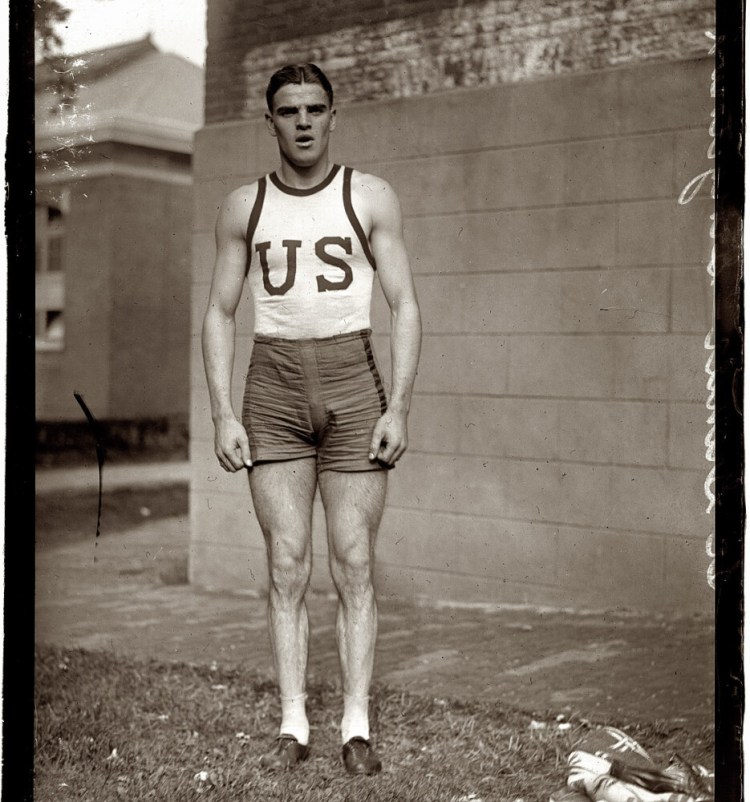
point(309, 238)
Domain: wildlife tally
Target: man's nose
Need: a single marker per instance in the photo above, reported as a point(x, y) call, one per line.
point(303, 120)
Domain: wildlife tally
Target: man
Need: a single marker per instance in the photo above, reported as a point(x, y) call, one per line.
point(309, 238)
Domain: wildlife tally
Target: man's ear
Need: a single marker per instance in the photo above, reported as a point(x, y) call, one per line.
point(270, 125)
point(332, 123)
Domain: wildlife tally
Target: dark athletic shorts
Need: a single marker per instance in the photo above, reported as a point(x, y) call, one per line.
point(317, 397)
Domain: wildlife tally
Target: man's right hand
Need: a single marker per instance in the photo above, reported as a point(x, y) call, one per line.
point(231, 445)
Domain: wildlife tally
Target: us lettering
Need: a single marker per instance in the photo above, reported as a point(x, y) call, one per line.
point(292, 246)
point(320, 251)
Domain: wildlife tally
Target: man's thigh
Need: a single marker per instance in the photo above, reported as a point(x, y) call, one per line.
point(283, 495)
point(354, 503)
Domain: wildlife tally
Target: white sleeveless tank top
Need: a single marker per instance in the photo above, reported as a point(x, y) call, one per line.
point(309, 265)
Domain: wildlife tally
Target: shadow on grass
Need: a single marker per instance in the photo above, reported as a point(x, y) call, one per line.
point(110, 728)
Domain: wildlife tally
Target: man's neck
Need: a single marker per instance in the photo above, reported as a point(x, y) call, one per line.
point(303, 177)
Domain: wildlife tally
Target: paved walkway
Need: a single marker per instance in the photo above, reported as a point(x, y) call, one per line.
point(126, 593)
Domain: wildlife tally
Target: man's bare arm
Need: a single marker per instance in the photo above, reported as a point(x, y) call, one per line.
point(218, 336)
point(390, 438)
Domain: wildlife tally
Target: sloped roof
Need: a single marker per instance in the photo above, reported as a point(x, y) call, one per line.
point(96, 61)
point(127, 93)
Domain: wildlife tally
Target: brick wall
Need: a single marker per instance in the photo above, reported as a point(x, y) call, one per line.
point(83, 364)
point(151, 299)
point(559, 415)
point(127, 299)
point(400, 48)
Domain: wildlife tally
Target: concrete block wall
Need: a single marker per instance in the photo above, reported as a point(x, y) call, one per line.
point(381, 49)
point(557, 430)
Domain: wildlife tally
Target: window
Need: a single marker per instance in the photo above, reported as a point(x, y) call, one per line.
point(50, 277)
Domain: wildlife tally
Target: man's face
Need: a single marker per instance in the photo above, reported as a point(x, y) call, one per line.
point(301, 120)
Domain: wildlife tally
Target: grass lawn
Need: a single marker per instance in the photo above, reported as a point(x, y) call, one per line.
point(110, 728)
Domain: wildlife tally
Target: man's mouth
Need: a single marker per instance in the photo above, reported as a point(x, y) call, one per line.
point(305, 139)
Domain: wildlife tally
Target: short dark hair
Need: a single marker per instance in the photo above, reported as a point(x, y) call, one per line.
point(297, 74)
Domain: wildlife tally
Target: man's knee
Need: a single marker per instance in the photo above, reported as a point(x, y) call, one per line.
point(351, 569)
point(290, 575)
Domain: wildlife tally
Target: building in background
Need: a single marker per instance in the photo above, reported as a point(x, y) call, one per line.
point(114, 143)
point(539, 149)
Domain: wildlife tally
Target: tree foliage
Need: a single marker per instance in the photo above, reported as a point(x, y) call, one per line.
point(48, 16)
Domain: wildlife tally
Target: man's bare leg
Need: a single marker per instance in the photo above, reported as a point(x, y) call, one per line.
point(354, 506)
point(283, 495)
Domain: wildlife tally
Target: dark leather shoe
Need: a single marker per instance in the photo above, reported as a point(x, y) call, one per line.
point(359, 757)
point(287, 751)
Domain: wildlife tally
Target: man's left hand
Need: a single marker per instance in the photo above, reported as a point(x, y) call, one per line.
point(389, 439)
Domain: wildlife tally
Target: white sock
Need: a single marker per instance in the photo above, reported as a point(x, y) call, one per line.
point(294, 718)
point(356, 720)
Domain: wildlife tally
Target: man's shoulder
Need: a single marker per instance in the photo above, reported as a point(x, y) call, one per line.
point(244, 194)
point(239, 202)
point(369, 182)
point(236, 208)
point(372, 190)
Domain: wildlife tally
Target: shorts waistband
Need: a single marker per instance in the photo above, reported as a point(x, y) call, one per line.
point(361, 334)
